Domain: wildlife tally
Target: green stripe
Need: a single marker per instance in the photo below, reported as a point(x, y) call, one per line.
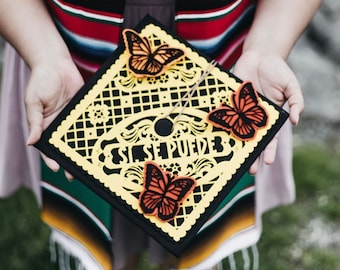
point(247, 180)
point(98, 206)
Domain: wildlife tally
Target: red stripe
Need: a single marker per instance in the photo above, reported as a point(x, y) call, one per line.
point(230, 55)
point(87, 28)
point(198, 30)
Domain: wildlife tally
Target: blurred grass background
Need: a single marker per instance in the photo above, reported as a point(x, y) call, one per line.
point(304, 235)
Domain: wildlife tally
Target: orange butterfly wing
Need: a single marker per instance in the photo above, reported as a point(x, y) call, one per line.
point(246, 115)
point(143, 60)
point(163, 195)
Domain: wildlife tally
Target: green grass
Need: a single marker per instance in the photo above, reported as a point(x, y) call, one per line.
point(305, 235)
point(24, 242)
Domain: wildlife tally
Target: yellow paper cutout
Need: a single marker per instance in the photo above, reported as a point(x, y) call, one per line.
point(110, 133)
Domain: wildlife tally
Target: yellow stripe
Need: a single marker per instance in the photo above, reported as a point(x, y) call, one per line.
point(238, 222)
point(64, 222)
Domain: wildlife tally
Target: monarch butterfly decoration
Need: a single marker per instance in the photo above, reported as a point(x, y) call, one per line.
point(145, 61)
point(163, 194)
point(244, 117)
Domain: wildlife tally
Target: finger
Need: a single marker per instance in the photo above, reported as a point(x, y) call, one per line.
point(34, 112)
point(287, 82)
point(296, 107)
point(269, 152)
point(52, 164)
point(294, 97)
point(254, 167)
point(69, 176)
point(268, 155)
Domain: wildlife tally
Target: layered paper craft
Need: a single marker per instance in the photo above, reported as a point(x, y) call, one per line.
point(162, 133)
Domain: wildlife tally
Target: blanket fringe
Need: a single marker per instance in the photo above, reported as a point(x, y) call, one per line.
point(247, 263)
point(70, 254)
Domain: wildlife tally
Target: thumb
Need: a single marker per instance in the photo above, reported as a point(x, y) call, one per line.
point(34, 111)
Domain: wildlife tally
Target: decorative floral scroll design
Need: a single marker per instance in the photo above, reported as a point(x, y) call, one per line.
point(187, 124)
point(220, 96)
point(134, 174)
point(98, 113)
point(202, 166)
point(133, 180)
point(183, 74)
point(139, 130)
point(129, 81)
point(142, 130)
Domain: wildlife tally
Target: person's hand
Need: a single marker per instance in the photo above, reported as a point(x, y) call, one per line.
point(51, 86)
point(273, 78)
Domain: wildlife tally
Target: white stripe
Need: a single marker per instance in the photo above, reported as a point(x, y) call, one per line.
point(79, 205)
point(242, 239)
point(246, 259)
point(232, 262)
point(209, 43)
point(85, 66)
point(88, 14)
point(225, 208)
point(255, 257)
point(208, 15)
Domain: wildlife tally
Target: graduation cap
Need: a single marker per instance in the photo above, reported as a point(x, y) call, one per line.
point(162, 133)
